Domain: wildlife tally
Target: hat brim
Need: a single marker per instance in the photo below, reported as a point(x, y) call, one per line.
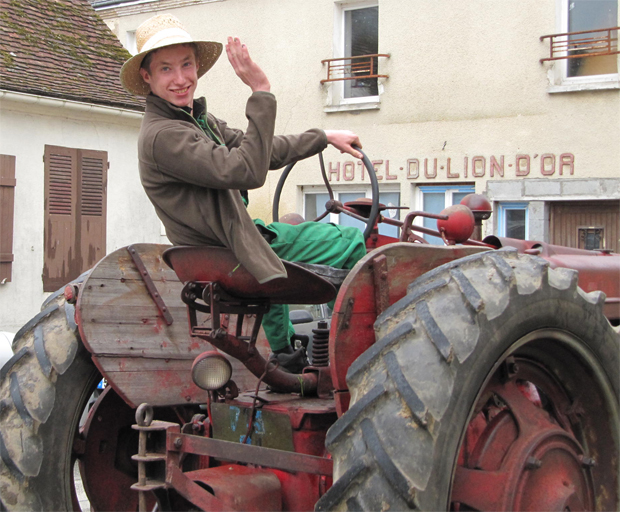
point(207, 54)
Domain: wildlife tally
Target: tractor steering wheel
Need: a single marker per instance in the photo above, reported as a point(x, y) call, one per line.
point(333, 206)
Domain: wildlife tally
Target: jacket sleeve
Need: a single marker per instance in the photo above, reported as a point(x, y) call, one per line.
point(291, 148)
point(185, 154)
point(286, 148)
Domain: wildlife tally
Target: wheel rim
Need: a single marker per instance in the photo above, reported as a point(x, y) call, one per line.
point(536, 435)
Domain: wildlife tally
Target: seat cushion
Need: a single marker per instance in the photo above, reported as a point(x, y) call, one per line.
point(217, 264)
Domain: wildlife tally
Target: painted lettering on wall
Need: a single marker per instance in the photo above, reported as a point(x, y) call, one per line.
point(478, 166)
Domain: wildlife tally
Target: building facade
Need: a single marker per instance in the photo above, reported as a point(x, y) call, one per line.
point(447, 98)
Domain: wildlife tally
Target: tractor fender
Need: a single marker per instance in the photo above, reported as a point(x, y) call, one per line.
point(376, 282)
point(144, 356)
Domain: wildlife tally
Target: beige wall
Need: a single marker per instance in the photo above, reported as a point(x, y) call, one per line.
point(465, 84)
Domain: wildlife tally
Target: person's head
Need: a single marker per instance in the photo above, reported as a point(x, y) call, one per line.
point(163, 43)
point(171, 73)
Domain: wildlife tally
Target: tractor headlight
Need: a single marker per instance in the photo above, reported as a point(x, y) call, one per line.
point(211, 371)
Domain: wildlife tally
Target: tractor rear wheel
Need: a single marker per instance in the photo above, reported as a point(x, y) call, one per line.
point(44, 389)
point(493, 385)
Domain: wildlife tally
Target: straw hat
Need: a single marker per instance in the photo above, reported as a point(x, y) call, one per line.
point(157, 32)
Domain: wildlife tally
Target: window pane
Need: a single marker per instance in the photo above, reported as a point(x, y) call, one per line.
point(457, 197)
point(591, 238)
point(515, 224)
point(592, 15)
point(344, 219)
point(361, 27)
point(315, 206)
point(390, 199)
point(434, 202)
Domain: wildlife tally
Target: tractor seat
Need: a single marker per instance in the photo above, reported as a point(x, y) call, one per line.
point(206, 264)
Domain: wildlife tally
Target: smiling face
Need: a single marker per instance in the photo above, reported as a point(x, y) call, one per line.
point(172, 74)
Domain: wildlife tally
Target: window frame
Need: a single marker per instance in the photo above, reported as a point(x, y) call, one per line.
point(561, 82)
point(336, 100)
point(505, 206)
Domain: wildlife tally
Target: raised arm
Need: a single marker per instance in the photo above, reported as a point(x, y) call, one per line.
point(246, 69)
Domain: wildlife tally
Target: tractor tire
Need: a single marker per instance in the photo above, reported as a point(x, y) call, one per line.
point(492, 383)
point(44, 388)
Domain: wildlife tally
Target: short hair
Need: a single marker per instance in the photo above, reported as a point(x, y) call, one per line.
point(146, 61)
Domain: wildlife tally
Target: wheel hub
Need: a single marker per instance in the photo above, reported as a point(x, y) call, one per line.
point(518, 455)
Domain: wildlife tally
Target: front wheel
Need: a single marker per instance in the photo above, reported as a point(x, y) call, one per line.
point(493, 386)
point(44, 389)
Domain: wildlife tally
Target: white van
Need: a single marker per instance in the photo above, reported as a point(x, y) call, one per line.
point(6, 352)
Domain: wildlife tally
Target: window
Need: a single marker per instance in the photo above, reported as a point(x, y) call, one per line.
point(75, 213)
point(512, 220)
point(314, 205)
point(361, 37)
point(131, 43)
point(591, 15)
point(585, 51)
point(353, 74)
point(591, 238)
point(7, 203)
point(436, 198)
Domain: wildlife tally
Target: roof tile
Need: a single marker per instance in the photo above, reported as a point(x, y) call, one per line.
point(62, 49)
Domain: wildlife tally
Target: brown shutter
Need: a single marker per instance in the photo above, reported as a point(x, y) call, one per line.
point(91, 237)
point(60, 216)
point(75, 213)
point(7, 203)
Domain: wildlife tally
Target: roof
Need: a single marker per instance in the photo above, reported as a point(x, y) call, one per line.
point(61, 49)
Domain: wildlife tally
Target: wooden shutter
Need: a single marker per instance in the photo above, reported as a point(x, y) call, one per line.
point(93, 166)
point(75, 212)
point(7, 204)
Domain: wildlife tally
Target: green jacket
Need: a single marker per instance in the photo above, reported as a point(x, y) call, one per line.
point(194, 182)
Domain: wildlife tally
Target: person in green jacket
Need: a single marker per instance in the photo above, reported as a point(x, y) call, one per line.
point(194, 167)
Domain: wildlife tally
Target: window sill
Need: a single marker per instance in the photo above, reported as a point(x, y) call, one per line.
point(370, 104)
point(594, 85)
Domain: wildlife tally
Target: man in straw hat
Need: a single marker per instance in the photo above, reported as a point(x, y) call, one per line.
point(195, 169)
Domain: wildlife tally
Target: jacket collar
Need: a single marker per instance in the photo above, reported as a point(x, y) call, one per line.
point(164, 108)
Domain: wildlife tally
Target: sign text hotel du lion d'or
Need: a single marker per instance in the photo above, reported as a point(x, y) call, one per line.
point(441, 169)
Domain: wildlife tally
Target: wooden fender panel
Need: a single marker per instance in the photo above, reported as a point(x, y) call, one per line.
point(352, 329)
point(142, 357)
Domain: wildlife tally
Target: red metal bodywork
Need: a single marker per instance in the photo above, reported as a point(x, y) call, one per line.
point(598, 270)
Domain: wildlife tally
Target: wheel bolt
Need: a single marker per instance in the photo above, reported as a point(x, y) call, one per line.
point(533, 463)
point(587, 462)
point(178, 442)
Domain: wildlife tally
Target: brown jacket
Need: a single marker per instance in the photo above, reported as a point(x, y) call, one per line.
point(194, 183)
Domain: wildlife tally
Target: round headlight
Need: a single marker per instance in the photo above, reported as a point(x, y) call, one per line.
point(211, 371)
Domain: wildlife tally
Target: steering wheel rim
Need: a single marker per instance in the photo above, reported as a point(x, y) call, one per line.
point(374, 185)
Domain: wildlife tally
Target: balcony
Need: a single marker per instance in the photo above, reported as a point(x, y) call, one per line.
point(353, 68)
point(587, 43)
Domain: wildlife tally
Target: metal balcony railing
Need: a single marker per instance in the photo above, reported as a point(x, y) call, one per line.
point(587, 43)
point(353, 68)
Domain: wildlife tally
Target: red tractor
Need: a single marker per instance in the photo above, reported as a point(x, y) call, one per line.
point(480, 375)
